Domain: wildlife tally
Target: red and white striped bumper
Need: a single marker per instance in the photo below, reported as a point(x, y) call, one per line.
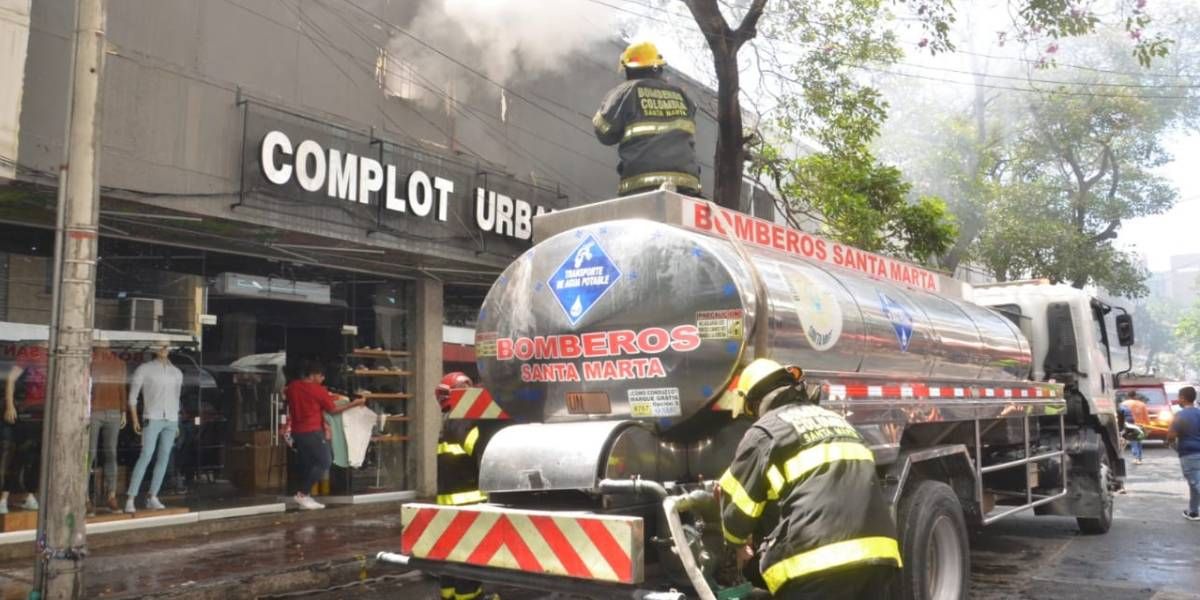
point(580, 545)
point(474, 403)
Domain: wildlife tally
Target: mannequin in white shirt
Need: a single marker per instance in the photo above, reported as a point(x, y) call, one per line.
point(160, 383)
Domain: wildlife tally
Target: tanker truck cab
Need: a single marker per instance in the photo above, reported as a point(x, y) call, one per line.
point(612, 345)
point(1074, 339)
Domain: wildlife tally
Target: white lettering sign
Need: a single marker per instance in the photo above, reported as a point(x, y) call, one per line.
point(350, 177)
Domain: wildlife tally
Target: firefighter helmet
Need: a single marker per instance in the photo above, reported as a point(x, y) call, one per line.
point(451, 381)
point(759, 378)
point(640, 55)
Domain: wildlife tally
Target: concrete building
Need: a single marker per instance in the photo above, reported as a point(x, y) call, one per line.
point(282, 183)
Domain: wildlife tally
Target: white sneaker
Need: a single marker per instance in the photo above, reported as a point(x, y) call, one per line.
point(30, 502)
point(129, 507)
point(307, 503)
point(152, 503)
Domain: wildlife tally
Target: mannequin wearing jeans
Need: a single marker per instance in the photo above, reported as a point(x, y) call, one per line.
point(109, 393)
point(159, 383)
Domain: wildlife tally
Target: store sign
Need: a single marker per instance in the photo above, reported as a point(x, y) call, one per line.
point(290, 162)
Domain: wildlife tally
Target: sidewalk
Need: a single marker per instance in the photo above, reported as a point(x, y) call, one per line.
point(286, 553)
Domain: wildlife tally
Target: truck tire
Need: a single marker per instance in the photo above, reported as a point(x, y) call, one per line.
point(933, 544)
point(1100, 525)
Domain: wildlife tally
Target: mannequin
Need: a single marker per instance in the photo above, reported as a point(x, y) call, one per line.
point(24, 410)
point(109, 376)
point(160, 383)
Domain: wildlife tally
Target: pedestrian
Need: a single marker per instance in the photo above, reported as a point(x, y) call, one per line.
point(1185, 430)
point(1135, 415)
point(308, 401)
point(802, 496)
point(654, 123)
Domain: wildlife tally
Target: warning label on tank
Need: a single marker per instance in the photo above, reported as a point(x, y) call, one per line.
point(720, 324)
point(654, 402)
point(485, 345)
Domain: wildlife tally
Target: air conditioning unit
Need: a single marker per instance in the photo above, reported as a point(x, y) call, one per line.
point(142, 314)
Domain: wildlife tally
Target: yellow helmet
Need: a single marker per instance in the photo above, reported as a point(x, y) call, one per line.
point(640, 55)
point(760, 377)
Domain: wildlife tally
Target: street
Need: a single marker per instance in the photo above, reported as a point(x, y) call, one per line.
point(1150, 553)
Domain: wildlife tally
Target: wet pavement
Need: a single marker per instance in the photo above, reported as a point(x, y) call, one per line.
point(1152, 553)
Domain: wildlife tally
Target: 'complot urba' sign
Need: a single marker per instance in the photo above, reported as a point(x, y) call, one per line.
point(347, 176)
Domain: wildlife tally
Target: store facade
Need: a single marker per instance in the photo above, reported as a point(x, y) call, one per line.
point(268, 202)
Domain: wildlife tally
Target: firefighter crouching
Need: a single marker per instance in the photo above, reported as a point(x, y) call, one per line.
point(801, 496)
point(458, 447)
point(654, 124)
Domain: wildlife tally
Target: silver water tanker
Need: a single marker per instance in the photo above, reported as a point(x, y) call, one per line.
point(641, 309)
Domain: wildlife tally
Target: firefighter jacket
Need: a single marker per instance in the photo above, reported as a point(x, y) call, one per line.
point(458, 449)
point(803, 484)
point(654, 123)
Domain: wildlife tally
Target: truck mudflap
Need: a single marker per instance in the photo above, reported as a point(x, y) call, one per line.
point(579, 545)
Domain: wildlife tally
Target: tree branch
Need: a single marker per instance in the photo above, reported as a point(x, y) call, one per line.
point(1105, 160)
point(747, 30)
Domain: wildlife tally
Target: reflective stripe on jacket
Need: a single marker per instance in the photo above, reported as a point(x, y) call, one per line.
point(654, 123)
point(804, 485)
point(458, 464)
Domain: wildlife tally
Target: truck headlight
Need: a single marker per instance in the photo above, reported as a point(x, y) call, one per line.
point(1165, 416)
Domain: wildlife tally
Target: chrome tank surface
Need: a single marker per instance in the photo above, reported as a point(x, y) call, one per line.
point(634, 319)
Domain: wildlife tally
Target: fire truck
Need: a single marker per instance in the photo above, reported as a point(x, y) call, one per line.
point(611, 348)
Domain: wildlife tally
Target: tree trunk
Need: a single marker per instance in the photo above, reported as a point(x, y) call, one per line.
point(729, 157)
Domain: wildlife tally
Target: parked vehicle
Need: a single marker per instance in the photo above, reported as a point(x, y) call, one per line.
point(1158, 403)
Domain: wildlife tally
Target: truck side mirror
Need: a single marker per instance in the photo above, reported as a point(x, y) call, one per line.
point(1125, 330)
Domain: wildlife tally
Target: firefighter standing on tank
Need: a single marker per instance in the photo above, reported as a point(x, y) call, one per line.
point(654, 124)
point(458, 449)
point(802, 497)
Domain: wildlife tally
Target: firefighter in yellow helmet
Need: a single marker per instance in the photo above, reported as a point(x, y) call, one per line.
point(458, 449)
point(654, 123)
point(801, 496)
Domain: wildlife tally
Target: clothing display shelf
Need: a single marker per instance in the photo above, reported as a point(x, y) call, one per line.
point(381, 376)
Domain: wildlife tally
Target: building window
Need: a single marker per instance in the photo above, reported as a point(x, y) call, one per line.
point(395, 77)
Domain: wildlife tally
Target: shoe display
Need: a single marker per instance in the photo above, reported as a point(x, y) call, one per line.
point(112, 505)
point(152, 503)
point(129, 507)
point(4, 507)
point(30, 502)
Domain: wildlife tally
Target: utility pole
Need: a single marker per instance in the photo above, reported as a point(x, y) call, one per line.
point(62, 517)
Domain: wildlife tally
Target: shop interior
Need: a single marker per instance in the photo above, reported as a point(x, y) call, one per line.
point(238, 327)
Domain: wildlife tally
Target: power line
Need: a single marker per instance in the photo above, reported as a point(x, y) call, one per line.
point(1018, 89)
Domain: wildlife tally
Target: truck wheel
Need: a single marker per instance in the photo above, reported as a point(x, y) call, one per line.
point(1100, 525)
point(933, 544)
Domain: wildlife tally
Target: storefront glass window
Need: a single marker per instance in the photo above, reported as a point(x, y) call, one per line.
point(232, 330)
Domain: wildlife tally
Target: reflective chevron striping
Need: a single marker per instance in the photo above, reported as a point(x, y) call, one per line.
point(474, 403)
point(597, 547)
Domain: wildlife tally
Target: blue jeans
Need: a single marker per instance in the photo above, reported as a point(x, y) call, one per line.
point(157, 435)
point(1191, 472)
point(1136, 447)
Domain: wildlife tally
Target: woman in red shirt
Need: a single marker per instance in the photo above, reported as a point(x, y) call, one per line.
point(308, 400)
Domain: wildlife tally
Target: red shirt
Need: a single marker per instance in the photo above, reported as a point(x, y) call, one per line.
point(307, 401)
point(34, 361)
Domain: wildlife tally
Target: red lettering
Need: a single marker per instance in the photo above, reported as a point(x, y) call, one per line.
point(655, 369)
point(653, 340)
point(896, 271)
point(860, 261)
point(504, 349)
point(762, 233)
point(701, 216)
point(622, 342)
point(793, 242)
point(625, 368)
point(595, 344)
point(685, 338)
point(524, 348)
point(545, 347)
point(609, 370)
point(821, 253)
point(777, 238)
point(837, 255)
point(568, 346)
